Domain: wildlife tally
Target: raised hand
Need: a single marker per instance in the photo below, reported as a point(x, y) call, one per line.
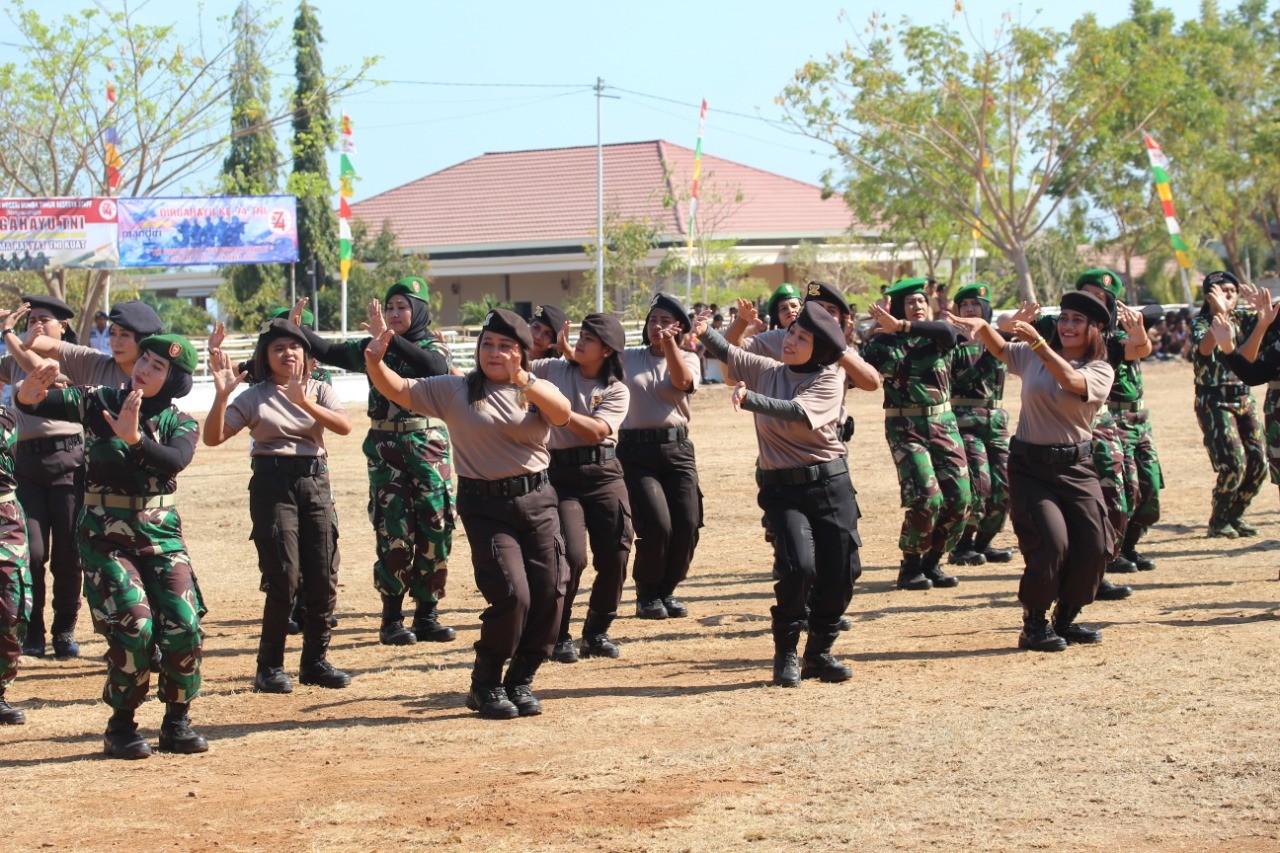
point(739, 394)
point(37, 384)
point(295, 313)
point(702, 322)
point(377, 347)
point(216, 337)
point(125, 425)
point(1214, 298)
point(1024, 331)
point(885, 320)
point(970, 325)
point(377, 322)
point(9, 319)
point(668, 333)
point(1130, 321)
point(1224, 333)
point(562, 342)
point(748, 312)
point(295, 391)
point(225, 378)
point(1027, 312)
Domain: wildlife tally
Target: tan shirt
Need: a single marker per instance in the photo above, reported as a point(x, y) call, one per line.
point(30, 426)
point(595, 398)
point(501, 436)
point(766, 343)
point(1050, 413)
point(278, 426)
point(655, 402)
point(87, 366)
point(794, 444)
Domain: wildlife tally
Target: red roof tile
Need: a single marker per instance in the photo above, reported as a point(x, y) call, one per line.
point(549, 196)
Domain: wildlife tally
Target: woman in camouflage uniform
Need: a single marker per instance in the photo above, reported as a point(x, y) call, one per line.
point(1226, 411)
point(410, 504)
point(138, 578)
point(15, 572)
point(913, 356)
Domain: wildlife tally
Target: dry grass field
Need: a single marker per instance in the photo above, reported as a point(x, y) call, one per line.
point(1165, 737)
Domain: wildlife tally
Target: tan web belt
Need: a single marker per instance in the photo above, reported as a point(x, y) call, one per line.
point(128, 501)
point(8, 497)
point(975, 403)
point(406, 425)
point(1135, 406)
point(918, 411)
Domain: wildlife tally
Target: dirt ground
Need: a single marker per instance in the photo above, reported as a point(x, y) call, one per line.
point(1163, 738)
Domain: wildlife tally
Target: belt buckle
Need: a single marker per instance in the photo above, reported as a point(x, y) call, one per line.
point(504, 489)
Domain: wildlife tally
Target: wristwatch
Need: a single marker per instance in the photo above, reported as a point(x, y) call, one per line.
point(526, 386)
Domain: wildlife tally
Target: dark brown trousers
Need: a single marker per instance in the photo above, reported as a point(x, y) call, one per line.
point(50, 486)
point(666, 509)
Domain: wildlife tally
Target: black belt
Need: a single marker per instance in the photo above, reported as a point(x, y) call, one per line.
point(801, 476)
point(653, 436)
point(41, 446)
point(1226, 392)
point(294, 466)
point(511, 487)
point(1052, 454)
point(595, 455)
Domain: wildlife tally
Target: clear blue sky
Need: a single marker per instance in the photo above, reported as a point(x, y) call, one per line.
point(736, 55)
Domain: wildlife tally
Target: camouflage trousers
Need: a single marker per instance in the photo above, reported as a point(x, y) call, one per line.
point(1233, 437)
point(412, 511)
point(985, 433)
point(142, 591)
point(15, 589)
point(1140, 457)
point(933, 479)
point(1117, 474)
point(1271, 420)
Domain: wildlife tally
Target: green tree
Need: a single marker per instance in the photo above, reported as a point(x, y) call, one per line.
point(313, 140)
point(920, 107)
point(179, 316)
point(251, 167)
point(629, 276)
point(831, 261)
point(473, 313)
point(379, 264)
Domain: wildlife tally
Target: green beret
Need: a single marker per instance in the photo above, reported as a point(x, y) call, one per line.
point(410, 285)
point(785, 291)
point(308, 319)
point(977, 290)
point(1106, 279)
point(906, 287)
point(174, 349)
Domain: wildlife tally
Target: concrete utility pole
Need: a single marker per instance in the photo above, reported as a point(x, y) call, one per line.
point(599, 199)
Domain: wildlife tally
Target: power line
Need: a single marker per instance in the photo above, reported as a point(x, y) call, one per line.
point(525, 103)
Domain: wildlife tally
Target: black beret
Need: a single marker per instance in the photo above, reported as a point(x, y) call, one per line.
point(1087, 304)
point(820, 291)
point(138, 317)
point(1214, 279)
point(673, 307)
point(1152, 316)
point(608, 329)
point(282, 328)
point(825, 328)
point(52, 304)
point(550, 316)
point(500, 321)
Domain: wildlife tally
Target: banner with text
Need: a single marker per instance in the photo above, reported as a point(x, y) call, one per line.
point(40, 233)
point(175, 232)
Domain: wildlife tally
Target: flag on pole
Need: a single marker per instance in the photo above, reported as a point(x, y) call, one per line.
point(112, 154)
point(346, 189)
point(697, 176)
point(1160, 167)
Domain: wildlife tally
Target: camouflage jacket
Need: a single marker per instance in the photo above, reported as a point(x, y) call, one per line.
point(349, 355)
point(150, 467)
point(916, 369)
point(976, 373)
point(1211, 369)
point(1127, 387)
point(8, 436)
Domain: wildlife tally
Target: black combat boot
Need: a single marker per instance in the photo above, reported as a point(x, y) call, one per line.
point(565, 650)
point(845, 624)
point(33, 645)
point(519, 685)
point(1108, 591)
point(649, 604)
point(316, 669)
point(65, 646)
point(153, 663)
point(674, 608)
point(426, 624)
point(1243, 527)
point(1121, 565)
point(964, 553)
point(1036, 634)
point(1129, 549)
point(910, 575)
point(175, 732)
point(393, 632)
point(595, 636)
point(1064, 625)
point(982, 545)
point(9, 715)
point(271, 677)
point(786, 663)
point(818, 662)
point(122, 740)
point(487, 695)
point(929, 567)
